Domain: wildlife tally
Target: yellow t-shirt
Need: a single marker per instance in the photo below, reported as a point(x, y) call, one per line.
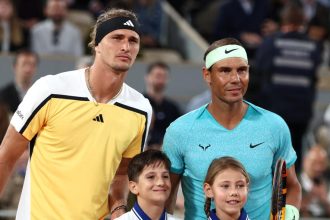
point(76, 145)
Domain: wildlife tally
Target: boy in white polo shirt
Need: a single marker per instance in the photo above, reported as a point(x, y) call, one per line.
point(149, 180)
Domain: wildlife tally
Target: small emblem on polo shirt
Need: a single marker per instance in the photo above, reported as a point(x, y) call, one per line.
point(204, 147)
point(99, 118)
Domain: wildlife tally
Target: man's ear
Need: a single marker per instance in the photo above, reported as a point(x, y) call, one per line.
point(208, 190)
point(133, 187)
point(96, 49)
point(206, 75)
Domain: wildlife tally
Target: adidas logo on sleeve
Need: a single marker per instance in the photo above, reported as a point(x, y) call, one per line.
point(129, 23)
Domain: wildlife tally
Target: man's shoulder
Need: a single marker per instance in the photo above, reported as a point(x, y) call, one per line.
point(67, 76)
point(134, 99)
point(65, 83)
point(42, 26)
point(187, 119)
point(70, 26)
point(265, 115)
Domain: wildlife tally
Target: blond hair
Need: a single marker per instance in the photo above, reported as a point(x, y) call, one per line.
point(218, 165)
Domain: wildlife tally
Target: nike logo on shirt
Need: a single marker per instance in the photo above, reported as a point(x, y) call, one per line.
point(255, 145)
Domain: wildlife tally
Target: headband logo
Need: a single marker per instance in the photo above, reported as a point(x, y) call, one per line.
point(223, 52)
point(129, 23)
point(228, 51)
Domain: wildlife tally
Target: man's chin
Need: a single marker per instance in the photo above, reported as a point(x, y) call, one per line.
point(122, 68)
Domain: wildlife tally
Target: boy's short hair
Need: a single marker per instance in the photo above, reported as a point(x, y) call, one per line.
point(144, 159)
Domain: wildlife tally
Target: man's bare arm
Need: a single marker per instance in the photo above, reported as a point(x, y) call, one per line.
point(294, 188)
point(119, 189)
point(12, 147)
point(170, 204)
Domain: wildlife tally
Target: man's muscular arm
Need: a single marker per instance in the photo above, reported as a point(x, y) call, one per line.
point(12, 147)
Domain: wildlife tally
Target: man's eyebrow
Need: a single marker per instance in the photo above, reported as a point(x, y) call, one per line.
point(243, 67)
point(224, 68)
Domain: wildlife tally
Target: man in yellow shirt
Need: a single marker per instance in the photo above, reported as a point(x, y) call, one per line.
point(83, 128)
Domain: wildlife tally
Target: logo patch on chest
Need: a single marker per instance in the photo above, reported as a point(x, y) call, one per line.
point(99, 118)
point(204, 147)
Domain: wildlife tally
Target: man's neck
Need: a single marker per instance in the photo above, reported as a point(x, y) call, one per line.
point(23, 85)
point(228, 115)
point(104, 85)
point(57, 23)
point(156, 96)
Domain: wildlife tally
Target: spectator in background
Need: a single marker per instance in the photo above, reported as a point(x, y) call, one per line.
point(24, 68)
point(164, 110)
point(316, 14)
point(150, 15)
point(287, 62)
point(56, 35)
point(84, 62)
point(242, 19)
point(315, 187)
point(92, 7)
point(323, 131)
point(327, 115)
point(30, 13)
point(272, 22)
point(317, 18)
point(11, 31)
point(199, 100)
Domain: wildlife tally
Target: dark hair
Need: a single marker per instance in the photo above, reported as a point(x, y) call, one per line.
point(293, 14)
point(220, 43)
point(107, 15)
point(144, 159)
point(25, 52)
point(218, 165)
point(157, 64)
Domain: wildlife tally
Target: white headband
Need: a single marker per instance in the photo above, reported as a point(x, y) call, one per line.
point(223, 52)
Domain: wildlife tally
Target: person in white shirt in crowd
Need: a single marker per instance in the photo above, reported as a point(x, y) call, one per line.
point(315, 185)
point(56, 35)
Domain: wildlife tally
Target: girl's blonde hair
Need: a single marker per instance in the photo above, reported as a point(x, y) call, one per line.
point(218, 165)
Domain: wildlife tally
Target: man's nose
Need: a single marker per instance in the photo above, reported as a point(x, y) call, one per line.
point(234, 76)
point(125, 45)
